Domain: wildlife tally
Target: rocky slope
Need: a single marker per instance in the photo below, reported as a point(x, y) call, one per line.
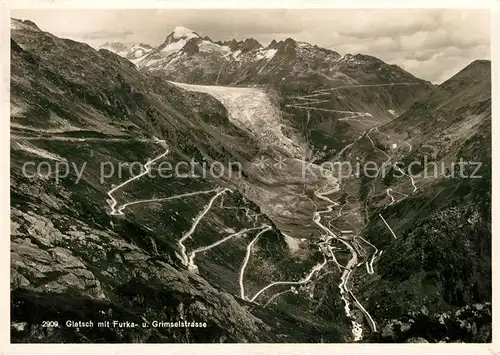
point(441, 260)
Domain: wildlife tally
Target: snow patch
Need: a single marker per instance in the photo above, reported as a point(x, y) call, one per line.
point(293, 243)
point(392, 112)
point(126, 50)
point(357, 331)
point(139, 51)
point(207, 46)
point(173, 47)
point(350, 59)
point(236, 55)
point(161, 62)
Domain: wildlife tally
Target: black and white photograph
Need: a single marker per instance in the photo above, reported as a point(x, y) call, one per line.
point(253, 175)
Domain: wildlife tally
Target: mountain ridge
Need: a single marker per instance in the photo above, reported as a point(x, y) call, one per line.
point(248, 45)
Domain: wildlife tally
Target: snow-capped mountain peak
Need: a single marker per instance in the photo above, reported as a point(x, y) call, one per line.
point(175, 41)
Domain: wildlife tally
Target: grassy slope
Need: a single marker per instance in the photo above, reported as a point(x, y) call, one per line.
point(442, 257)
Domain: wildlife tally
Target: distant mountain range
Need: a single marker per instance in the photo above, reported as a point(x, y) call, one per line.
point(132, 52)
point(184, 52)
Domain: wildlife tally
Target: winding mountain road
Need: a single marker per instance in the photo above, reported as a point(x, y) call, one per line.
point(147, 169)
point(362, 86)
point(348, 269)
point(304, 280)
point(196, 221)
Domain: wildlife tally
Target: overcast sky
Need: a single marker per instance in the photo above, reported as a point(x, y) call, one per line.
point(432, 44)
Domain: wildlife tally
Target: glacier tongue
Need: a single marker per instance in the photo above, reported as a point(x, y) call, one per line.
point(251, 110)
